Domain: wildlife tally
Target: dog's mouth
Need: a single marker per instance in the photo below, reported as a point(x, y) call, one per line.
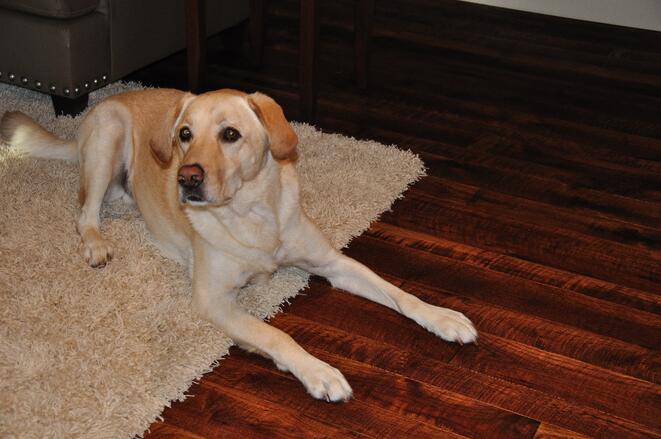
point(198, 198)
point(193, 197)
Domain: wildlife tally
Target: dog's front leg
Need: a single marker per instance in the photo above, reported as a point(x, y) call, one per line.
point(216, 281)
point(306, 247)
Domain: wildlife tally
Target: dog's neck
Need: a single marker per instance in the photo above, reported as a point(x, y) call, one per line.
point(248, 227)
point(262, 190)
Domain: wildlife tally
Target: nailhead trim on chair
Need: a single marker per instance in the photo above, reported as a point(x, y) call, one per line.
point(52, 88)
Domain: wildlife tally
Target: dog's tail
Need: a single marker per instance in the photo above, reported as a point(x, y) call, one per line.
point(23, 133)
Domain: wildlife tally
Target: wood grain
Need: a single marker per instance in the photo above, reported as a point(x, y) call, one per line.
point(196, 36)
point(546, 431)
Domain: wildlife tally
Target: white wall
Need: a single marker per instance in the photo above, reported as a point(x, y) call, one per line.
point(644, 14)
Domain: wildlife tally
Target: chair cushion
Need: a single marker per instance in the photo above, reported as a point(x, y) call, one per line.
point(52, 8)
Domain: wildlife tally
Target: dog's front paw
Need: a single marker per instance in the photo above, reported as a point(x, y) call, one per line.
point(97, 252)
point(447, 324)
point(323, 381)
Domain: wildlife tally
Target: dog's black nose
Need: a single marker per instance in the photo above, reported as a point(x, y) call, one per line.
point(190, 176)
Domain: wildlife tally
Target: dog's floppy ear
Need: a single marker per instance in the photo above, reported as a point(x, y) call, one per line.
point(162, 143)
point(282, 138)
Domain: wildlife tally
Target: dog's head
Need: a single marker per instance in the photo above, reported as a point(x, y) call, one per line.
point(222, 139)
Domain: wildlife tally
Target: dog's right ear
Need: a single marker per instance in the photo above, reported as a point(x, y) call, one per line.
point(162, 143)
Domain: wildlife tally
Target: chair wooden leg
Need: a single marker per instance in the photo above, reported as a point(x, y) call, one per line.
point(309, 37)
point(256, 32)
point(363, 17)
point(196, 37)
point(69, 106)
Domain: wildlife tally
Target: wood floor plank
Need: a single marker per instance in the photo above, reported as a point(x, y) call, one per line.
point(472, 164)
point(255, 376)
point(550, 336)
point(547, 121)
point(518, 398)
point(517, 267)
point(550, 47)
point(552, 303)
point(478, 165)
point(474, 73)
point(549, 372)
point(542, 143)
point(229, 412)
point(161, 430)
point(547, 431)
point(543, 334)
point(538, 65)
point(632, 188)
point(605, 232)
point(567, 378)
point(421, 402)
point(555, 247)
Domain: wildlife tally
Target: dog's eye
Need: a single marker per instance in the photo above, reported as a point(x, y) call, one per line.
point(185, 134)
point(231, 135)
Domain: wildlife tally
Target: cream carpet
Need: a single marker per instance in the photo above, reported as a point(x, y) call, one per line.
point(99, 353)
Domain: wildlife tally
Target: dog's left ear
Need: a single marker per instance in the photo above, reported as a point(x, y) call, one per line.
point(282, 138)
point(162, 143)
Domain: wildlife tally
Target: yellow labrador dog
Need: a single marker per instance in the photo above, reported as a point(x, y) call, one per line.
point(214, 177)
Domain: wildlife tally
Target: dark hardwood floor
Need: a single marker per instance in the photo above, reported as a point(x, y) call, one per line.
point(540, 220)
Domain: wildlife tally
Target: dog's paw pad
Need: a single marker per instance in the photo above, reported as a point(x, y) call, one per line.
point(97, 253)
point(325, 382)
point(450, 325)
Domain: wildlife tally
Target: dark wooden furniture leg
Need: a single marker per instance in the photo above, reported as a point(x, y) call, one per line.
point(256, 32)
point(196, 36)
point(309, 36)
point(69, 106)
point(363, 15)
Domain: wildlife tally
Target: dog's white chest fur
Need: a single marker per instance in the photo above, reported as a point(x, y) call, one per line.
point(248, 228)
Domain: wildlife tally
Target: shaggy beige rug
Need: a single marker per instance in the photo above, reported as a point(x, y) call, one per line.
point(99, 353)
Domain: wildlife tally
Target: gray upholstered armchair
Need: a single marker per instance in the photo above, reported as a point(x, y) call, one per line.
point(67, 48)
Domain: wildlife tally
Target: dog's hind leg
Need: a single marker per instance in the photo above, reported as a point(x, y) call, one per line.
point(100, 160)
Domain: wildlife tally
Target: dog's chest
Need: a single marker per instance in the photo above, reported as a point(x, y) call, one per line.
point(257, 227)
point(250, 235)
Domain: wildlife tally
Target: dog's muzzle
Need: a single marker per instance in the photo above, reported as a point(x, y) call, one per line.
point(190, 179)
